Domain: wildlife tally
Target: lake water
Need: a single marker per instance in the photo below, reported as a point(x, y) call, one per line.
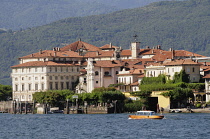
point(104, 126)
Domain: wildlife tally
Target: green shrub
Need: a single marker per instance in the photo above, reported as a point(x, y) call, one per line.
point(133, 106)
point(198, 105)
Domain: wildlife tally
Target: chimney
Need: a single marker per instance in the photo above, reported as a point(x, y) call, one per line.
point(172, 54)
point(54, 53)
point(158, 47)
point(204, 63)
point(110, 45)
point(97, 53)
point(40, 51)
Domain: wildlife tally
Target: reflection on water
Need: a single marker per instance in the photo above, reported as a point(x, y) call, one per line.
point(108, 126)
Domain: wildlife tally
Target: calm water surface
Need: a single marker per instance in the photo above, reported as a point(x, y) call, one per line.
point(103, 126)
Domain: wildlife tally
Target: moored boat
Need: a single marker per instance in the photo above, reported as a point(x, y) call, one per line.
point(146, 115)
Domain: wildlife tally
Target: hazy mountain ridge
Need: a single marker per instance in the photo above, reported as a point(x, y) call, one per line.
point(17, 14)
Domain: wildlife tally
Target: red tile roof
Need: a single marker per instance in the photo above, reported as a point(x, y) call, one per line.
point(108, 63)
point(181, 62)
point(135, 83)
point(207, 76)
point(80, 44)
point(186, 53)
point(51, 53)
point(108, 46)
point(42, 64)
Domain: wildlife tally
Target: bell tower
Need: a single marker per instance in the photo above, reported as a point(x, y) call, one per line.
point(135, 48)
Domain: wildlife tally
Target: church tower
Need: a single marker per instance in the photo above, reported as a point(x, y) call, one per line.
point(135, 48)
point(90, 75)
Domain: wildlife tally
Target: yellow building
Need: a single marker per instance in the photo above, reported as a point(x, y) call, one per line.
point(162, 101)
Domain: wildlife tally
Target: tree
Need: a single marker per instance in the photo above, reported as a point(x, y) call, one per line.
point(52, 97)
point(5, 92)
point(181, 77)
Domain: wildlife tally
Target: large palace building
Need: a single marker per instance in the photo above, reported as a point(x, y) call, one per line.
point(81, 67)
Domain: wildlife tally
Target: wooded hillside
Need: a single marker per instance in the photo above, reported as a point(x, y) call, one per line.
point(17, 14)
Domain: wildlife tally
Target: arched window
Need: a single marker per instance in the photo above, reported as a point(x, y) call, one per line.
point(106, 73)
point(96, 73)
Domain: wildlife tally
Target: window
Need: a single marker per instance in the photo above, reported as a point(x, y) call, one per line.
point(56, 85)
point(36, 86)
point(50, 69)
point(106, 73)
point(85, 81)
point(29, 97)
point(36, 78)
point(29, 78)
point(36, 70)
point(96, 81)
point(42, 86)
point(66, 69)
point(29, 69)
point(42, 77)
point(50, 77)
point(61, 69)
point(62, 86)
point(23, 87)
point(29, 87)
point(117, 72)
point(16, 79)
point(67, 85)
point(22, 78)
point(51, 86)
point(61, 77)
point(96, 73)
point(67, 77)
point(56, 69)
point(193, 69)
point(56, 77)
point(16, 87)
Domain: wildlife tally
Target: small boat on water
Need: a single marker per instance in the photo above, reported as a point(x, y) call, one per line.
point(146, 115)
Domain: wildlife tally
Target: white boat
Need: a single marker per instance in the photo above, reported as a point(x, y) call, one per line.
point(146, 115)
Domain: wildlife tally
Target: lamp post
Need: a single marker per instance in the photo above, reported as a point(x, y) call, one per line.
point(67, 106)
point(14, 106)
point(115, 106)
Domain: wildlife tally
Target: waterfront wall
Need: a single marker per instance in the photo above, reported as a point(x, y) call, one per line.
point(6, 106)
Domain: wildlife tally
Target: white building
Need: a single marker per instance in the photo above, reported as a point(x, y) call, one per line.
point(81, 67)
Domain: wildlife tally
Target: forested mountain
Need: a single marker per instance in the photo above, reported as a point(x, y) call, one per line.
point(17, 14)
point(176, 24)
